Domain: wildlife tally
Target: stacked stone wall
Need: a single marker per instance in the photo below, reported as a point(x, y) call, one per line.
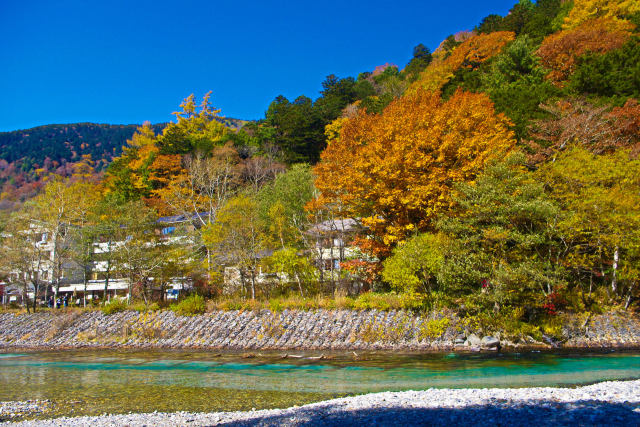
point(287, 330)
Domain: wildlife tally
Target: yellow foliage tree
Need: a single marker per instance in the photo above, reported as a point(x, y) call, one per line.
point(616, 11)
point(470, 54)
point(128, 175)
point(396, 170)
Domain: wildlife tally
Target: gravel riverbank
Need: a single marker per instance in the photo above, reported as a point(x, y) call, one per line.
point(607, 403)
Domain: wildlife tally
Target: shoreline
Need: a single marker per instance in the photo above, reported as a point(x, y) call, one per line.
point(292, 330)
point(604, 403)
point(327, 354)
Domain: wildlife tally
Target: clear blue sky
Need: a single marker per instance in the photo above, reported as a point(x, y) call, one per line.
point(129, 61)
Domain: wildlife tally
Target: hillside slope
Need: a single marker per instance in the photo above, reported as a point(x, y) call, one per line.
point(28, 155)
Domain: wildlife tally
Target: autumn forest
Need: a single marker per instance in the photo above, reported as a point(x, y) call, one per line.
point(497, 176)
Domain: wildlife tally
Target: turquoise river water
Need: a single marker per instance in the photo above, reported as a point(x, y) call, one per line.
point(95, 382)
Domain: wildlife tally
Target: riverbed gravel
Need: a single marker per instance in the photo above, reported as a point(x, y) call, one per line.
point(608, 403)
point(11, 410)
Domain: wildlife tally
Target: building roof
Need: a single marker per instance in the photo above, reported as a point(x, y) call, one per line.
point(346, 225)
point(182, 218)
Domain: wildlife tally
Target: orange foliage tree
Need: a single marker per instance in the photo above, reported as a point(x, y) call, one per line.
point(396, 170)
point(560, 50)
point(470, 54)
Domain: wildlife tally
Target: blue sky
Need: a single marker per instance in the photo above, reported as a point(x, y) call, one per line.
point(129, 61)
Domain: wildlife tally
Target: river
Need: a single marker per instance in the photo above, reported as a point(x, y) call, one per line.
point(106, 381)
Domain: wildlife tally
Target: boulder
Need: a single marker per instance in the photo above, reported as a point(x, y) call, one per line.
point(473, 341)
point(490, 342)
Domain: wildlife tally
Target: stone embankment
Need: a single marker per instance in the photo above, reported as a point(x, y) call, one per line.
point(604, 404)
point(287, 330)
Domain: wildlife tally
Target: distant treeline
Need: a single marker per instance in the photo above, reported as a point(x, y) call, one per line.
point(41, 146)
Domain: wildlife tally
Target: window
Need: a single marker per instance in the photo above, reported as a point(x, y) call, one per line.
point(168, 230)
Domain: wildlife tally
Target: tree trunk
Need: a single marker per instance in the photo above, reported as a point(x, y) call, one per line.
point(145, 290)
point(628, 301)
point(85, 282)
point(253, 285)
point(25, 296)
point(614, 278)
point(130, 289)
point(299, 284)
point(35, 296)
point(333, 282)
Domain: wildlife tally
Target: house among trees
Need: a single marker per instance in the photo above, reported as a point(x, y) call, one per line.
point(330, 244)
point(43, 267)
point(333, 240)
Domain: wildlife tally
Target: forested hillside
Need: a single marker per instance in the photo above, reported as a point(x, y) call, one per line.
point(28, 156)
point(64, 143)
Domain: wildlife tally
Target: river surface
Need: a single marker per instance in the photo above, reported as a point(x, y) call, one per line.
point(97, 382)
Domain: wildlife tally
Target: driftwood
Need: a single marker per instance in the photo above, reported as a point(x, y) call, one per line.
point(297, 356)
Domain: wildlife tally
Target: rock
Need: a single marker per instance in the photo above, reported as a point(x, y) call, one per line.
point(490, 342)
point(473, 341)
point(550, 340)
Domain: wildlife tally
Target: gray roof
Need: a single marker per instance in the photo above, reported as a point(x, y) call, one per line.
point(346, 225)
point(182, 218)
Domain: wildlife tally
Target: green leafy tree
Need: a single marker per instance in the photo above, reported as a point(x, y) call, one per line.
point(294, 267)
point(490, 24)
point(281, 205)
point(415, 265)
point(516, 84)
point(536, 20)
point(363, 87)
point(599, 226)
point(519, 16)
point(297, 129)
point(335, 95)
point(504, 231)
point(138, 250)
point(614, 75)
point(195, 130)
point(421, 59)
point(54, 209)
point(298, 126)
point(237, 238)
point(24, 258)
point(84, 232)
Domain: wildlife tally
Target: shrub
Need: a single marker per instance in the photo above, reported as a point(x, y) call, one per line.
point(434, 329)
point(142, 307)
point(190, 306)
point(114, 306)
point(228, 305)
point(389, 301)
